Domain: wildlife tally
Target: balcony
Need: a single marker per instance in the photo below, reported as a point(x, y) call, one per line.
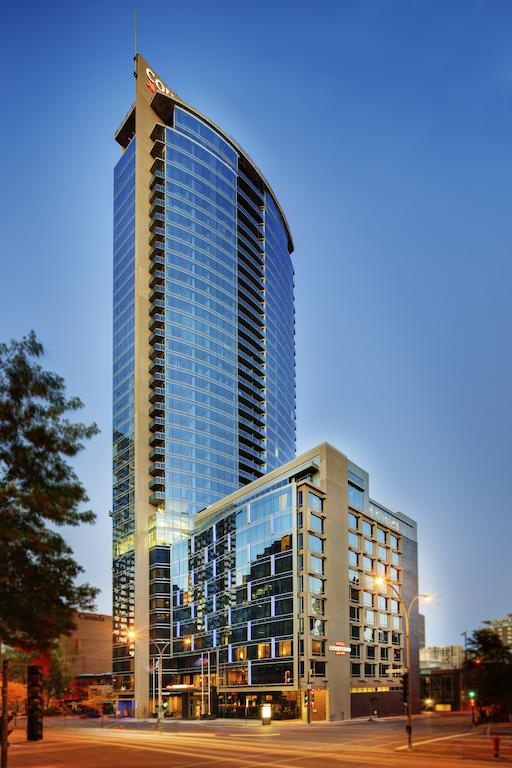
point(157, 261)
point(252, 438)
point(247, 477)
point(247, 399)
point(247, 453)
point(158, 304)
point(157, 498)
point(157, 193)
point(157, 240)
point(158, 364)
point(247, 205)
point(256, 315)
point(254, 349)
point(257, 418)
point(248, 465)
point(255, 363)
point(157, 379)
point(157, 395)
point(157, 453)
point(157, 293)
point(158, 207)
point(157, 321)
point(156, 439)
point(158, 168)
point(251, 293)
point(158, 177)
point(157, 351)
point(253, 330)
point(245, 270)
point(158, 149)
point(157, 410)
point(157, 336)
point(156, 424)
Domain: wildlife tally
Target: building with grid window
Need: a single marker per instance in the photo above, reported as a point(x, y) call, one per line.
point(204, 352)
point(502, 627)
point(272, 598)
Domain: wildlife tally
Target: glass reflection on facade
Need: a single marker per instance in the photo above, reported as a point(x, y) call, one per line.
point(232, 600)
point(123, 513)
point(204, 353)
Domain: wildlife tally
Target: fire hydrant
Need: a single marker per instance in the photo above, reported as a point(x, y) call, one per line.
point(496, 744)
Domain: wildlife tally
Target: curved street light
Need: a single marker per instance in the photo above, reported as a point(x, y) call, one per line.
point(406, 609)
point(161, 648)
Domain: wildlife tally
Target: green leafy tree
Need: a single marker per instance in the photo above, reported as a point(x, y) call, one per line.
point(488, 670)
point(60, 674)
point(39, 491)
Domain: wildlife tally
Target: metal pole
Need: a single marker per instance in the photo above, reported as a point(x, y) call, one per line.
point(406, 610)
point(5, 712)
point(160, 665)
point(202, 685)
point(154, 683)
point(209, 688)
point(408, 668)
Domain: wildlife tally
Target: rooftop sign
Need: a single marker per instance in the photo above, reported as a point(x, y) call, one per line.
point(155, 84)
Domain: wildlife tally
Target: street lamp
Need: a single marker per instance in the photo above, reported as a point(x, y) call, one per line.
point(161, 648)
point(380, 581)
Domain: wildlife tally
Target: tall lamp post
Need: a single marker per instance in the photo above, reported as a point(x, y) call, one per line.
point(406, 610)
point(161, 648)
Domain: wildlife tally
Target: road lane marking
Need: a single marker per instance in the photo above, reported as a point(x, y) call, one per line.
point(431, 741)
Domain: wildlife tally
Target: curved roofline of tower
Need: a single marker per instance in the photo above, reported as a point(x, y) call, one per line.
point(160, 99)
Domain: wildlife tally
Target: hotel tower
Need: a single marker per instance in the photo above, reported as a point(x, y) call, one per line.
point(204, 352)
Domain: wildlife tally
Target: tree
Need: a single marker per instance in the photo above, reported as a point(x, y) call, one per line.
point(57, 680)
point(488, 670)
point(39, 491)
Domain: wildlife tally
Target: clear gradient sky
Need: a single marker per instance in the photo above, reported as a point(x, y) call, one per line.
point(385, 129)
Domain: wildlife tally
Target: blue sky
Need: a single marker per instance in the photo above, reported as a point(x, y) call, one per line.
point(385, 129)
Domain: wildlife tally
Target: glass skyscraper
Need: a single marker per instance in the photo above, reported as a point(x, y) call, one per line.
point(204, 353)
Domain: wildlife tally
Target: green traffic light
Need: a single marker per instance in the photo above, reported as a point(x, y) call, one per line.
point(471, 694)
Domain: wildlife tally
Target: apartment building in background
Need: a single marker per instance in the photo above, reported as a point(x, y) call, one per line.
point(442, 657)
point(502, 627)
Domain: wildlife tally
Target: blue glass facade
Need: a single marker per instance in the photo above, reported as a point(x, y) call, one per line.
point(123, 509)
point(229, 589)
point(222, 322)
point(201, 320)
point(204, 355)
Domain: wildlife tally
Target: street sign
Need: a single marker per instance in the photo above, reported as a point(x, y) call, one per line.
point(395, 671)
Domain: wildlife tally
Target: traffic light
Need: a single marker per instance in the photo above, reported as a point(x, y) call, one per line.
point(309, 697)
point(472, 694)
point(34, 703)
point(405, 687)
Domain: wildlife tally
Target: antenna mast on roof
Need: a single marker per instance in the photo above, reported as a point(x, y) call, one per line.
point(135, 30)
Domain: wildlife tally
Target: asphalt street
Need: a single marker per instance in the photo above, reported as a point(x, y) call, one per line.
point(439, 741)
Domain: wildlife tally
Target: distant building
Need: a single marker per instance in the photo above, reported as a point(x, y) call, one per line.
point(503, 628)
point(89, 648)
point(442, 657)
point(442, 689)
point(421, 630)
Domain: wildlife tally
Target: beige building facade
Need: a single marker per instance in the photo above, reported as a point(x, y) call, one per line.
point(274, 599)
